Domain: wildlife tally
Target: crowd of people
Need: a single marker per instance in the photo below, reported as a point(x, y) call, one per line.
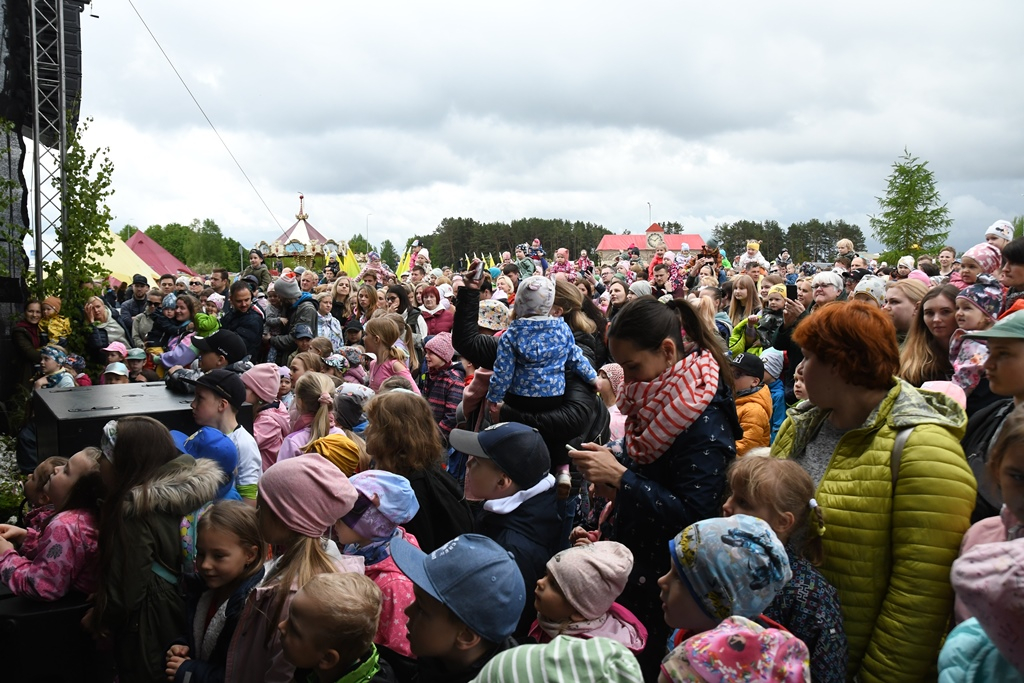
point(689, 469)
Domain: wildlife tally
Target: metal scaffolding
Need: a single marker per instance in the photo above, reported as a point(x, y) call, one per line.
point(49, 128)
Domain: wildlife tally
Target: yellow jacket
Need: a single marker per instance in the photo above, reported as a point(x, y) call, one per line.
point(889, 555)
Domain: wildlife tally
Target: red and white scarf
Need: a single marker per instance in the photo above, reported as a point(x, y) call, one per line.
point(660, 410)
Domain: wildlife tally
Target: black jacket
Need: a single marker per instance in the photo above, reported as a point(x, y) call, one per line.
point(248, 326)
point(444, 512)
point(431, 670)
point(198, 670)
point(982, 428)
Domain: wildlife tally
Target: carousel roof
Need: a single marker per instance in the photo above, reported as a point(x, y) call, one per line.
point(301, 230)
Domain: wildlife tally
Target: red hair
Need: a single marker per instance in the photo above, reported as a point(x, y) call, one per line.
point(858, 337)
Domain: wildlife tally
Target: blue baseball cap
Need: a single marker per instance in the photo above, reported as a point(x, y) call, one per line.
point(302, 331)
point(463, 570)
point(212, 444)
point(518, 450)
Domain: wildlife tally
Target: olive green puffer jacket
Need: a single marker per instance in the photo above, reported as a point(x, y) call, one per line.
point(889, 556)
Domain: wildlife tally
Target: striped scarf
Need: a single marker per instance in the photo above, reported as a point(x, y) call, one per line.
point(660, 410)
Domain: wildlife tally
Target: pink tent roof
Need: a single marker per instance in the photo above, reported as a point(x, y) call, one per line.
point(673, 242)
point(158, 258)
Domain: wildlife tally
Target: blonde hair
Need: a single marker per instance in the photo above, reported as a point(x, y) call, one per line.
point(311, 360)
point(706, 308)
point(407, 337)
point(348, 612)
point(388, 331)
point(309, 392)
point(848, 244)
point(735, 313)
point(570, 299)
point(235, 517)
point(304, 559)
point(784, 486)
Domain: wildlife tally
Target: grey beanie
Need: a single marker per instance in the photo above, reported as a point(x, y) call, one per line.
point(536, 296)
point(287, 287)
point(641, 288)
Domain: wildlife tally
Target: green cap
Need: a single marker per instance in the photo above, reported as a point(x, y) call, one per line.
point(1010, 327)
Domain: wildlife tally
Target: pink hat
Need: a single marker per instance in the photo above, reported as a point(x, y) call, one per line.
point(988, 256)
point(264, 380)
point(284, 371)
point(117, 346)
point(307, 493)
point(739, 650)
point(615, 376)
point(949, 389)
point(921, 277)
point(592, 576)
point(441, 346)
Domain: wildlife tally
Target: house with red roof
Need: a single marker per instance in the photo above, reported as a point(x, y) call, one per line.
point(612, 245)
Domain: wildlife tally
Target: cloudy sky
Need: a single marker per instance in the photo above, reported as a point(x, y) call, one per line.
point(415, 111)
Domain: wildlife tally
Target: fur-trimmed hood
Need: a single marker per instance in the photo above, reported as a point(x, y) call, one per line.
point(177, 488)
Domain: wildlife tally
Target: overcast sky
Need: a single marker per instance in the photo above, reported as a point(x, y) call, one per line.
point(415, 111)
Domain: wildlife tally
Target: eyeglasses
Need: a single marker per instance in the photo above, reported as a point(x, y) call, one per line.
point(823, 285)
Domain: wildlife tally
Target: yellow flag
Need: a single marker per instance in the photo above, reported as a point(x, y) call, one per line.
point(403, 265)
point(490, 260)
point(350, 264)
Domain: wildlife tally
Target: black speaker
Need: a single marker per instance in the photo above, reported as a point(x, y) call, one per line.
point(68, 420)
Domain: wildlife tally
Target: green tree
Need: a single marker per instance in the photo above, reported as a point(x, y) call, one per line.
point(388, 254)
point(359, 245)
point(671, 227)
point(85, 239)
point(127, 231)
point(912, 219)
point(1018, 226)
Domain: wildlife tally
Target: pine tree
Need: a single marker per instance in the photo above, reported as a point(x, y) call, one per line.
point(912, 219)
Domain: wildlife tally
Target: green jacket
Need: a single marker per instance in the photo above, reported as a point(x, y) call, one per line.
point(261, 273)
point(889, 555)
point(145, 612)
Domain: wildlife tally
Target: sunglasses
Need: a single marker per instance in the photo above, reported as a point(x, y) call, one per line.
point(196, 283)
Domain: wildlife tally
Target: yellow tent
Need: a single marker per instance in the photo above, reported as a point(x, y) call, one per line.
point(123, 263)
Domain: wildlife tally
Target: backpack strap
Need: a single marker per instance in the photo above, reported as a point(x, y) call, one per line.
point(897, 454)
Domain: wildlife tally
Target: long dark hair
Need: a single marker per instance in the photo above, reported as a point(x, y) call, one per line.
point(646, 323)
point(87, 493)
point(403, 297)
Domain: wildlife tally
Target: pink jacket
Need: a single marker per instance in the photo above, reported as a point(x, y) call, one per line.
point(1005, 527)
point(397, 590)
point(379, 373)
point(248, 658)
point(618, 624)
point(270, 427)
point(64, 556)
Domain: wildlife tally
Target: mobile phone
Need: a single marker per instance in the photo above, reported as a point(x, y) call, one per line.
point(476, 271)
point(791, 292)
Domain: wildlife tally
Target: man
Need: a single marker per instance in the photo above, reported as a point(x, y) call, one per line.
point(607, 273)
point(512, 271)
point(999, 234)
point(308, 280)
point(142, 324)
point(416, 275)
point(219, 282)
point(298, 309)
point(243, 319)
point(660, 285)
point(166, 284)
point(858, 262)
point(137, 304)
point(370, 278)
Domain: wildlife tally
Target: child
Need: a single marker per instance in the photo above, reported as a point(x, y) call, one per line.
point(752, 256)
point(781, 493)
point(222, 349)
point(116, 352)
point(321, 346)
point(40, 507)
point(576, 597)
point(1005, 463)
point(214, 305)
point(219, 395)
point(270, 423)
point(753, 403)
point(115, 373)
point(51, 361)
point(303, 340)
point(330, 629)
point(739, 650)
point(538, 257)
point(564, 660)
point(452, 632)
point(229, 560)
point(773, 361)
point(870, 289)
point(977, 307)
point(799, 390)
point(760, 332)
point(381, 335)
point(444, 382)
point(562, 263)
point(583, 263)
point(744, 301)
point(336, 366)
point(978, 264)
point(300, 499)
point(722, 567)
point(56, 326)
point(149, 487)
point(75, 365)
point(314, 404)
point(284, 394)
point(353, 332)
point(533, 356)
point(609, 382)
point(135, 362)
point(63, 555)
point(356, 373)
point(386, 501)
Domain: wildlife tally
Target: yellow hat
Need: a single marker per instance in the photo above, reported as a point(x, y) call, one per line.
point(339, 450)
point(753, 245)
point(778, 289)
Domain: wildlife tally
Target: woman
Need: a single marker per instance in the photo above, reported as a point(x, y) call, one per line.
point(102, 329)
point(617, 294)
point(569, 307)
point(326, 324)
point(901, 301)
point(438, 318)
point(681, 429)
point(28, 338)
point(397, 301)
point(894, 524)
point(341, 290)
point(258, 269)
point(804, 292)
point(827, 287)
point(366, 298)
point(925, 356)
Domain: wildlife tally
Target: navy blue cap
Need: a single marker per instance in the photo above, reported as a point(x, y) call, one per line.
point(302, 331)
point(518, 450)
point(460, 573)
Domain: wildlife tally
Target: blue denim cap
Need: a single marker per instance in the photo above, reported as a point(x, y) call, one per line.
point(460, 573)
